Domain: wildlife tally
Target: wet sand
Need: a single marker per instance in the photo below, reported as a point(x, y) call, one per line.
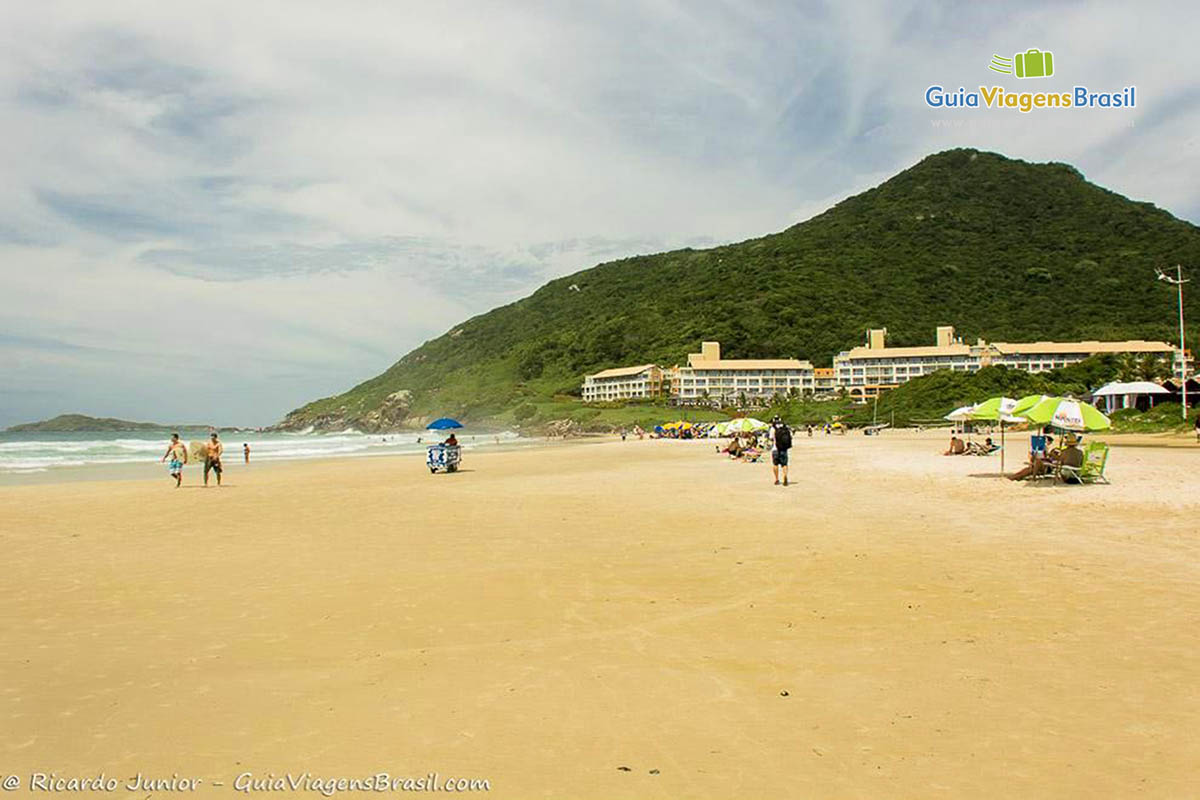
point(895, 624)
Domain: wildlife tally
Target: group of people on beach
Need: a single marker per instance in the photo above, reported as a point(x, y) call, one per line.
point(746, 447)
point(1045, 458)
point(177, 455)
point(961, 447)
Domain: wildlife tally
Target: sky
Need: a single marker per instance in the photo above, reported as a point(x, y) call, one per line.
point(215, 212)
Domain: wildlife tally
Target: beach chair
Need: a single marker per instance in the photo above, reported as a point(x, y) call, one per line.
point(1095, 458)
point(1037, 445)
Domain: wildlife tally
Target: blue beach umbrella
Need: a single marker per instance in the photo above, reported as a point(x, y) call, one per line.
point(445, 423)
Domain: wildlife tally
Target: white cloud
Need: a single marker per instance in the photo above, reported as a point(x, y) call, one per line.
point(313, 190)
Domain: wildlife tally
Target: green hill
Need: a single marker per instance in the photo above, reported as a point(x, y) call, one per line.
point(71, 423)
point(1000, 248)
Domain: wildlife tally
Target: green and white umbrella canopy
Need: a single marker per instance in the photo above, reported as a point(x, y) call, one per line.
point(1068, 414)
point(994, 409)
point(1027, 402)
point(746, 425)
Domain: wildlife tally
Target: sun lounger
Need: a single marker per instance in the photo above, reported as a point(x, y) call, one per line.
point(1095, 458)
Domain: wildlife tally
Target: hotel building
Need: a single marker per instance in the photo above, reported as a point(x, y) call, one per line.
point(623, 383)
point(709, 377)
point(862, 372)
point(825, 380)
point(868, 370)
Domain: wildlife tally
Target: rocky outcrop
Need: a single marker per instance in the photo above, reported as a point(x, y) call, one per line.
point(563, 429)
point(390, 415)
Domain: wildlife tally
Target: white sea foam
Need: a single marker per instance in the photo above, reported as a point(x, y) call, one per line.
point(20, 453)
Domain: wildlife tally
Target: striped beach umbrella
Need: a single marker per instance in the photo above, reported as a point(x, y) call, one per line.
point(1068, 414)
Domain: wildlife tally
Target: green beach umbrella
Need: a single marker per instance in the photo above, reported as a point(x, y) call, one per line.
point(996, 409)
point(746, 425)
point(1068, 414)
point(1027, 402)
point(993, 409)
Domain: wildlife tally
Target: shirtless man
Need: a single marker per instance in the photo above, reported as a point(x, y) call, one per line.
point(212, 460)
point(177, 452)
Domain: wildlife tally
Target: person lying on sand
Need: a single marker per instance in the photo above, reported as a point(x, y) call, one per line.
point(985, 449)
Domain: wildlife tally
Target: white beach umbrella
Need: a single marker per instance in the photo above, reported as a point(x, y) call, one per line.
point(960, 414)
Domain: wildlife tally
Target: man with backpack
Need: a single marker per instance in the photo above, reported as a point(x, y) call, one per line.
point(781, 442)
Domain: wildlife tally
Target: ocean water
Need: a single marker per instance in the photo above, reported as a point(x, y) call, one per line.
point(31, 453)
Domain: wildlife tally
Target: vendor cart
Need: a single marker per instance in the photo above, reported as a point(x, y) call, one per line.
point(444, 457)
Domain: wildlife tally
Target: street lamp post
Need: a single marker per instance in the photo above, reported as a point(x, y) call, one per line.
point(1178, 281)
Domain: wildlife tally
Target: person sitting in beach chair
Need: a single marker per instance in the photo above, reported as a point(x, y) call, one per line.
point(1090, 468)
point(957, 447)
point(1042, 464)
point(1069, 460)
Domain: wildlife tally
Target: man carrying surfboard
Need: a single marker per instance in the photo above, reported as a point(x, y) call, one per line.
point(212, 459)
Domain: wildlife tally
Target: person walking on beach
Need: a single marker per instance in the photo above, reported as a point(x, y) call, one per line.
point(212, 459)
point(246, 450)
point(178, 455)
point(781, 442)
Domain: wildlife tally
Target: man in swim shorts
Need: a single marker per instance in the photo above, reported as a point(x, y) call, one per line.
point(178, 455)
point(212, 460)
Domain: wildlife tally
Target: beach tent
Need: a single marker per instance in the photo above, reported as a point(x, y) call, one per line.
point(445, 423)
point(1068, 414)
point(746, 425)
point(1126, 393)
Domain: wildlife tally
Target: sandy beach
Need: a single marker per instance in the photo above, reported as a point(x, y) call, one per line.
point(616, 620)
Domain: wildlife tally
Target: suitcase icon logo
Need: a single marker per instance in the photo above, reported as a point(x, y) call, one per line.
point(1033, 63)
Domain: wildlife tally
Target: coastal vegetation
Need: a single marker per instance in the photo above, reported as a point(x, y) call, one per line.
point(1002, 249)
